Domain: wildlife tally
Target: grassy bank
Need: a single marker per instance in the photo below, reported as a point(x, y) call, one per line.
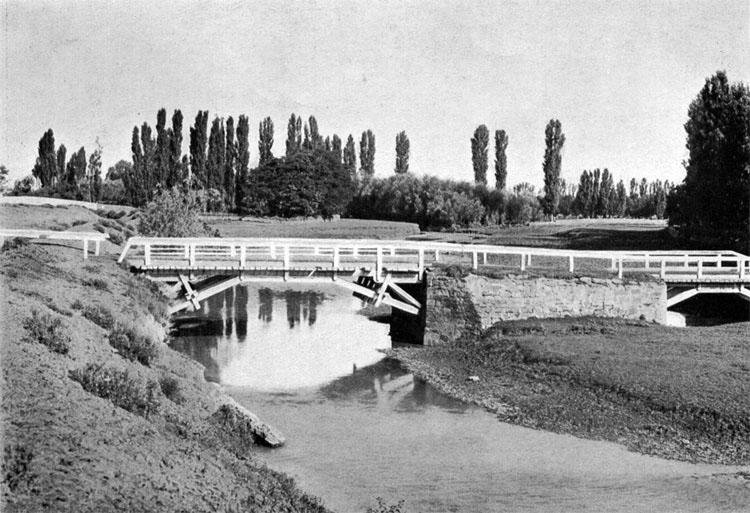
point(672, 392)
point(97, 413)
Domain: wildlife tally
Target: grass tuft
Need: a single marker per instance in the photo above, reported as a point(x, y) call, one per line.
point(47, 330)
point(14, 243)
point(133, 345)
point(16, 466)
point(98, 283)
point(118, 386)
point(170, 387)
point(99, 316)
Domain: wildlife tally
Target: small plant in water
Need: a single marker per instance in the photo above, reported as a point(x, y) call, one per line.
point(47, 330)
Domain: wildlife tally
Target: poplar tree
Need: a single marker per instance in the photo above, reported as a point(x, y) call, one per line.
point(316, 140)
point(350, 158)
point(176, 171)
point(61, 155)
point(243, 161)
point(367, 154)
point(402, 153)
point(293, 135)
point(336, 147)
point(162, 151)
point(216, 156)
point(198, 141)
point(265, 141)
point(501, 161)
point(230, 159)
point(552, 165)
point(94, 174)
point(133, 181)
point(479, 144)
point(45, 169)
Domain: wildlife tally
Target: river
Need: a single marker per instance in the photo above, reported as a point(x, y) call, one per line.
point(359, 427)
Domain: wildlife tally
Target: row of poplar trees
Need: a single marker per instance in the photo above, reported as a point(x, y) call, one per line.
point(218, 160)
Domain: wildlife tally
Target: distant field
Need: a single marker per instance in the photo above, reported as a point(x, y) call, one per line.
point(584, 234)
point(313, 228)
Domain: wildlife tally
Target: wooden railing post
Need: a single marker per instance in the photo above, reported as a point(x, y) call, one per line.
point(437, 255)
point(647, 262)
point(192, 255)
point(420, 263)
point(619, 268)
point(287, 262)
point(484, 258)
point(147, 253)
point(96, 247)
point(378, 262)
point(86, 249)
point(474, 262)
point(523, 262)
point(700, 269)
point(663, 271)
point(336, 258)
point(741, 264)
point(571, 265)
point(528, 260)
point(243, 255)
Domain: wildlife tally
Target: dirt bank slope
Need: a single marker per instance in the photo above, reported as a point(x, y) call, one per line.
point(68, 449)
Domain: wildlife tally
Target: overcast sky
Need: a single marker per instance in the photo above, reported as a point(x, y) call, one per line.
point(618, 75)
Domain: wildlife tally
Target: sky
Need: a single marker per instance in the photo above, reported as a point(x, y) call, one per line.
point(619, 75)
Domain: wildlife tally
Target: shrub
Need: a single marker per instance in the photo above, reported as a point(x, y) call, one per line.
point(172, 214)
point(115, 238)
point(133, 345)
point(16, 464)
point(382, 507)
point(119, 387)
point(99, 316)
point(170, 387)
point(47, 330)
point(14, 243)
point(98, 283)
point(79, 222)
point(77, 305)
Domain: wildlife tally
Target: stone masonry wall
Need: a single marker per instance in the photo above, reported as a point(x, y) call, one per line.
point(464, 306)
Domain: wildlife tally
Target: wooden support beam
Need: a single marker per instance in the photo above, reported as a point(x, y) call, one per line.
point(189, 292)
point(387, 299)
point(404, 295)
point(682, 296)
point(382, 290)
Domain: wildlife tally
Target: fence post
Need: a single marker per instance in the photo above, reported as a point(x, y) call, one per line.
point(96, 248)
point(663, 271)
point(528, 260)
point(700, 269)
point(86, 249)
point(474, 262)
point(336, 259)
point(647, 262)
point(484, 258)
point(146, 254)
point(437, 255)
point(187, 252)
point(741, 264)
point(243, 254)
point(571, 265)
point(523, 262)
point(287, 262)
point(420, 265)
point(378, 262)
point(192, 254)
point(619, 269)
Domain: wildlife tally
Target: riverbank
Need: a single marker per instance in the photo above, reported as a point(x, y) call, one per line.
point(98, 414)
point(676, 393)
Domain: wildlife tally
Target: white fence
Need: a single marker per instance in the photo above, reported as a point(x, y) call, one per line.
point(347, 254)
point(86, 237)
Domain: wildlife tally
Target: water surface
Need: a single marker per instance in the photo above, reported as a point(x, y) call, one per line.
point(359, 428)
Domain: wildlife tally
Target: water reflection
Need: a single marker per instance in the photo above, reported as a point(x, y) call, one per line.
point(239, 340)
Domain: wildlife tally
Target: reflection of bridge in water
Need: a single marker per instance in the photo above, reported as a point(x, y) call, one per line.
point(376, 270)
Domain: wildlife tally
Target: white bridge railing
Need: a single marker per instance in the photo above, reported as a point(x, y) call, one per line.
point(86, 237)
point(412, 256)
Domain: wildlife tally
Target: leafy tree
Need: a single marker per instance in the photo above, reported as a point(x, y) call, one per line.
point(293, 135)
point(479, 148)
point(265, 141)
point(230, 162)
point(198, 142)
point(94, 174)
point(61, 154)
point(402, 153)
point(606, 188)
point(554, 139)
point(621, 199)
point(313, 140)
point(305, 184)
point(501, 161)
point(216, 156)
point(367, 154)
point(173, 213)
point(176, 169)
point(243, 161)
point(3, 178)
point(148, 144)
point(350, 158)
point(713, 203)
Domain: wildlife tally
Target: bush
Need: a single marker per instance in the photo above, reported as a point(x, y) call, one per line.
point(16, 464)
point(173, 214)
point(14, 243)
point(47, 330)
point(133, 345)
point(99, 316)
point(170, 387)
point(115, 238)
point(119, 387)
point(98, 283)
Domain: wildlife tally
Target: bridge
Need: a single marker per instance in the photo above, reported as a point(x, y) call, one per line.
point(377, 269)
